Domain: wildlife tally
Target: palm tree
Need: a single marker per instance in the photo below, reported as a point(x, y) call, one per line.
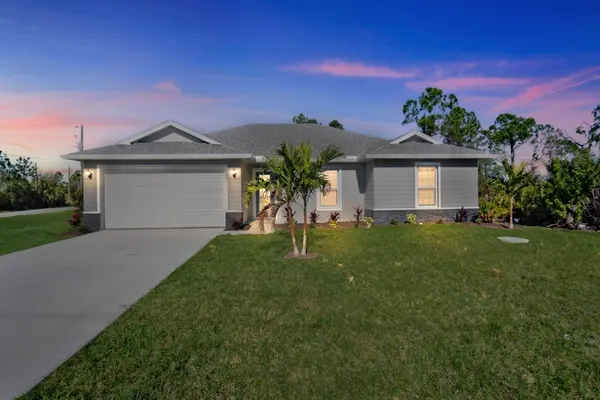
point(311, 177)
point(512, 180)
point(284, 185)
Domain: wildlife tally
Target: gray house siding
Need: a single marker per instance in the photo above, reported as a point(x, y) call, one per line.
point(234, 189)
point(369, 186)
point(169, 135)
point(459, 184)
point(394, 184)
point(247, 171)
point(394, 189)
point(90, 188)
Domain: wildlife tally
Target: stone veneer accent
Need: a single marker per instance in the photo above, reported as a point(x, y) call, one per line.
point(91, 221)
point(423, 215)
point(230, 217)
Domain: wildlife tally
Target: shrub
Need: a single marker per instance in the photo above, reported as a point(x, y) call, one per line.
point(75, 220)
point(394, 221)
point(358, 213)
point(334, 216)
point(462, 215)
point(440, 220)
point(237, 224)
point(411, 219)
point(314, 218)
point(369, 221)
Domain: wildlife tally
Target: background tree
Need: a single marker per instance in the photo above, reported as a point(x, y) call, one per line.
point(509, 132)
point(570, 186)
point(429, 110)
point(511, 181)
point(303, 119)
point(336, 124)
point(438, 114)
point(462, 128)
point(311, 178)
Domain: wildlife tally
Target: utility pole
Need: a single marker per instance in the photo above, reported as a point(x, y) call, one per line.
point(37, 184)
point(81, 138)
point(69, 183)
point(80, 148)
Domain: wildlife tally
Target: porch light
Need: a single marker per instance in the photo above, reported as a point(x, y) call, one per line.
point(89, 174)
point(234, 172)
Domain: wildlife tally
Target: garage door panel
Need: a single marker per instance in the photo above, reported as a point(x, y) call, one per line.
point(165, 200)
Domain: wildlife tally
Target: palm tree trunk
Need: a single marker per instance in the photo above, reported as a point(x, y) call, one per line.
point(305, 227)
point(292, 229)
point(510, 218)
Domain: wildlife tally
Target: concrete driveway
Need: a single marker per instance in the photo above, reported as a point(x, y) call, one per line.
point(55, 298)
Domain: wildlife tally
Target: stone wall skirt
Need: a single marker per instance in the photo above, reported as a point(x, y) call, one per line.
point(423, 215)
point(92, 221)
point(230, 217)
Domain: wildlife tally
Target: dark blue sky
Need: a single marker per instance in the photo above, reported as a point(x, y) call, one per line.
point(119, 66)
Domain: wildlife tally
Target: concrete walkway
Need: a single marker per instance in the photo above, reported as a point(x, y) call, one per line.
point(33, 212)
point(55, 298)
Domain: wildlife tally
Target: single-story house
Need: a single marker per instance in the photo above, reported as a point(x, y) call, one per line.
point(171, 176)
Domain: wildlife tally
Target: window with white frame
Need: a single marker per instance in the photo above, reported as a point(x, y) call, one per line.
point(331, 199)
point(427, 185)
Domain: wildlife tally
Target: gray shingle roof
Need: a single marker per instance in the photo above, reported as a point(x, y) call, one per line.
point(263, 139)
point(415, 149)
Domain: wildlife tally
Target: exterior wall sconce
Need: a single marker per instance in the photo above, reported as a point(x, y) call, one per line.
point(234, 172)
point(89, 174)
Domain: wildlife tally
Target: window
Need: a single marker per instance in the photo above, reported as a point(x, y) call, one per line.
point(331, 199)
point(427, 185)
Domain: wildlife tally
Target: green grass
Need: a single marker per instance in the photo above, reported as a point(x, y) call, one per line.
point(26, 231)
point(433, 311)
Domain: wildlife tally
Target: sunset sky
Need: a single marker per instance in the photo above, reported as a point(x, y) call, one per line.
point(118, 68)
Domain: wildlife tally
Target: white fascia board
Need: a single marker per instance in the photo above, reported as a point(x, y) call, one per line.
point(481, 156)
point(164, 125)
point(412, 133)
point(82, 157)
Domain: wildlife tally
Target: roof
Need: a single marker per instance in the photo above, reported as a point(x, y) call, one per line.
point(263, 139)
point(162, 150)
point(424, 150)
point(415, 134)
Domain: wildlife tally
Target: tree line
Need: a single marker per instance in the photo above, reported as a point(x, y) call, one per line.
point(22, 187)
point(559, 185)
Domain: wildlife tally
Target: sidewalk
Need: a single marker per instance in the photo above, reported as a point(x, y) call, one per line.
point(33, 212)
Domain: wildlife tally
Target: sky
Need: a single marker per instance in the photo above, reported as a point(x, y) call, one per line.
point(119, 67)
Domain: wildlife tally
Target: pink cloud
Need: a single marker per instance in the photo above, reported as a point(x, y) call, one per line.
point(167, 86)
point(41, 124)
point(538, 91)
point(467, 82)
point(350, 69)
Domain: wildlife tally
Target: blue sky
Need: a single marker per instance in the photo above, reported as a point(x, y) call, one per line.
point(118, 67)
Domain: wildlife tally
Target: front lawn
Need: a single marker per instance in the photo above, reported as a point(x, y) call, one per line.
point(26, 231)
point(432, 311)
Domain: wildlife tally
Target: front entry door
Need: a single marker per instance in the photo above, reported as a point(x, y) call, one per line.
point(264, 196)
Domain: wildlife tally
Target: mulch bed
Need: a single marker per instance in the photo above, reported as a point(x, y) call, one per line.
point(346, 225)
point(70, 234)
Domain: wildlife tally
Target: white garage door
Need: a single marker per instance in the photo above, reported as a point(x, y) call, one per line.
point(165, 200)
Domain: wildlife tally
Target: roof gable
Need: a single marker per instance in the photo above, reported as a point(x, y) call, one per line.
point(169, 131)
point(415, 136)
